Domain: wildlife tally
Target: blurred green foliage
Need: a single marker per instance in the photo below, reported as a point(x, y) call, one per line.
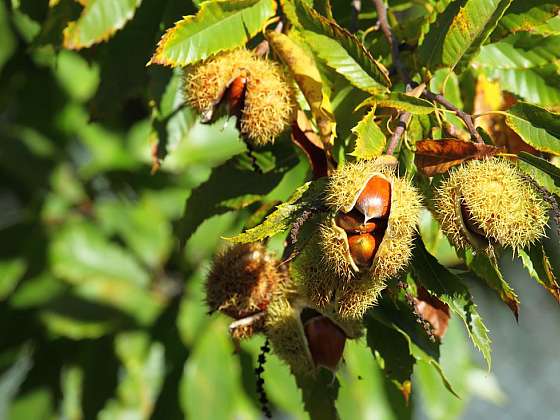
point(102, 312)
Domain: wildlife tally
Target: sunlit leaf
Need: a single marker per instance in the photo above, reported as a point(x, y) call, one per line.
point(536, 126)
point(279, 220)
point(370, 140)
point(448, 287)
point(488, 270)
point(306, 74)
point(100, 19)
point(341, 50)
point(218, 26)
point(459, 32)
point(538, 265)
point(434, 157)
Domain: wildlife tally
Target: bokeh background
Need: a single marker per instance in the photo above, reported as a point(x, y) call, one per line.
point(102, 313)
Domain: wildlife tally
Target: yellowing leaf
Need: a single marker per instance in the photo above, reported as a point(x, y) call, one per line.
point(370, 141)
point(99, 20)
point(305, 72)
point(218, 26)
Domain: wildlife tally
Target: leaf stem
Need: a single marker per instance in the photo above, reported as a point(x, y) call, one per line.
point(405, 76)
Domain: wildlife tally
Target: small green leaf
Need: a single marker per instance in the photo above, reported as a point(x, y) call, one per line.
point(538, 265)
point(459, 32)
point(341, 50)
point(99, 20)
point(319, 394)
point(528, 15)
point(280, 219)
point(543, 165)
point(12, 379)
point(439, 281)
point(218, 26)
point(488, 270)
point(402, 102)
point(394, 349)
point(370, 140)
point(141, 379)
point(11, 272)
point(536, 126)
point(229, 187)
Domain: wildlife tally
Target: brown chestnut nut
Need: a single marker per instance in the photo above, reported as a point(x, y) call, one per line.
point(236, 95)
point(375, 199)
point(469, 221)
point(363, 248)
point(325, 341)
point(353, 222)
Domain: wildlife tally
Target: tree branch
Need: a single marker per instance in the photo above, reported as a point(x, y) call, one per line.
point(467, 118)
point(405, 76)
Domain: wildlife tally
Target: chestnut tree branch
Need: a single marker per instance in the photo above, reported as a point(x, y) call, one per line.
point(405, 76)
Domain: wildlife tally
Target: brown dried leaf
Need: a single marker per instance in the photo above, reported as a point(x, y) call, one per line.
point(438, 156)
point(489, 96)
point(309, 142)
point(433, 310)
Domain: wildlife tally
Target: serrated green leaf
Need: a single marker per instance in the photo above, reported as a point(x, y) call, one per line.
point(80, 253)
point(402, 102)
point(439, 281)
point(12, 379)
point(543, 165)
point(345, 53)
point(319, 394)
point(99, 20)
point(11, 272)
point(72, 381)
point(229, 187)
point(218, 26)
point(141, 379)
point(211, 383)
point(417, 344)
point(459, 32)
point(536, 126)
point(370, 140)
point(306, 74)
point(538, 265)
point(394, 350)
point(488, 270)
point(525, 65)
point(102, 272)
point(279, 220)
point(333, 55)
point(528, 15)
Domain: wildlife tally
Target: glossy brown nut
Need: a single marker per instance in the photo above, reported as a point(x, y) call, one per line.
point(469, 222)
point(375, 199)
point(236, 95)
point(362, 249)
point(325, 340)
point(353, 222)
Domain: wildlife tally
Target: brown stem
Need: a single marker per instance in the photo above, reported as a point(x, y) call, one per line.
point(401, 69)
point(391, 39)
point(467, 118)
point(404, 119)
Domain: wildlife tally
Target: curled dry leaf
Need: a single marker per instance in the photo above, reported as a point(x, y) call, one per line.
point(433, 310)
point(438, 156)
point(308, 141)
